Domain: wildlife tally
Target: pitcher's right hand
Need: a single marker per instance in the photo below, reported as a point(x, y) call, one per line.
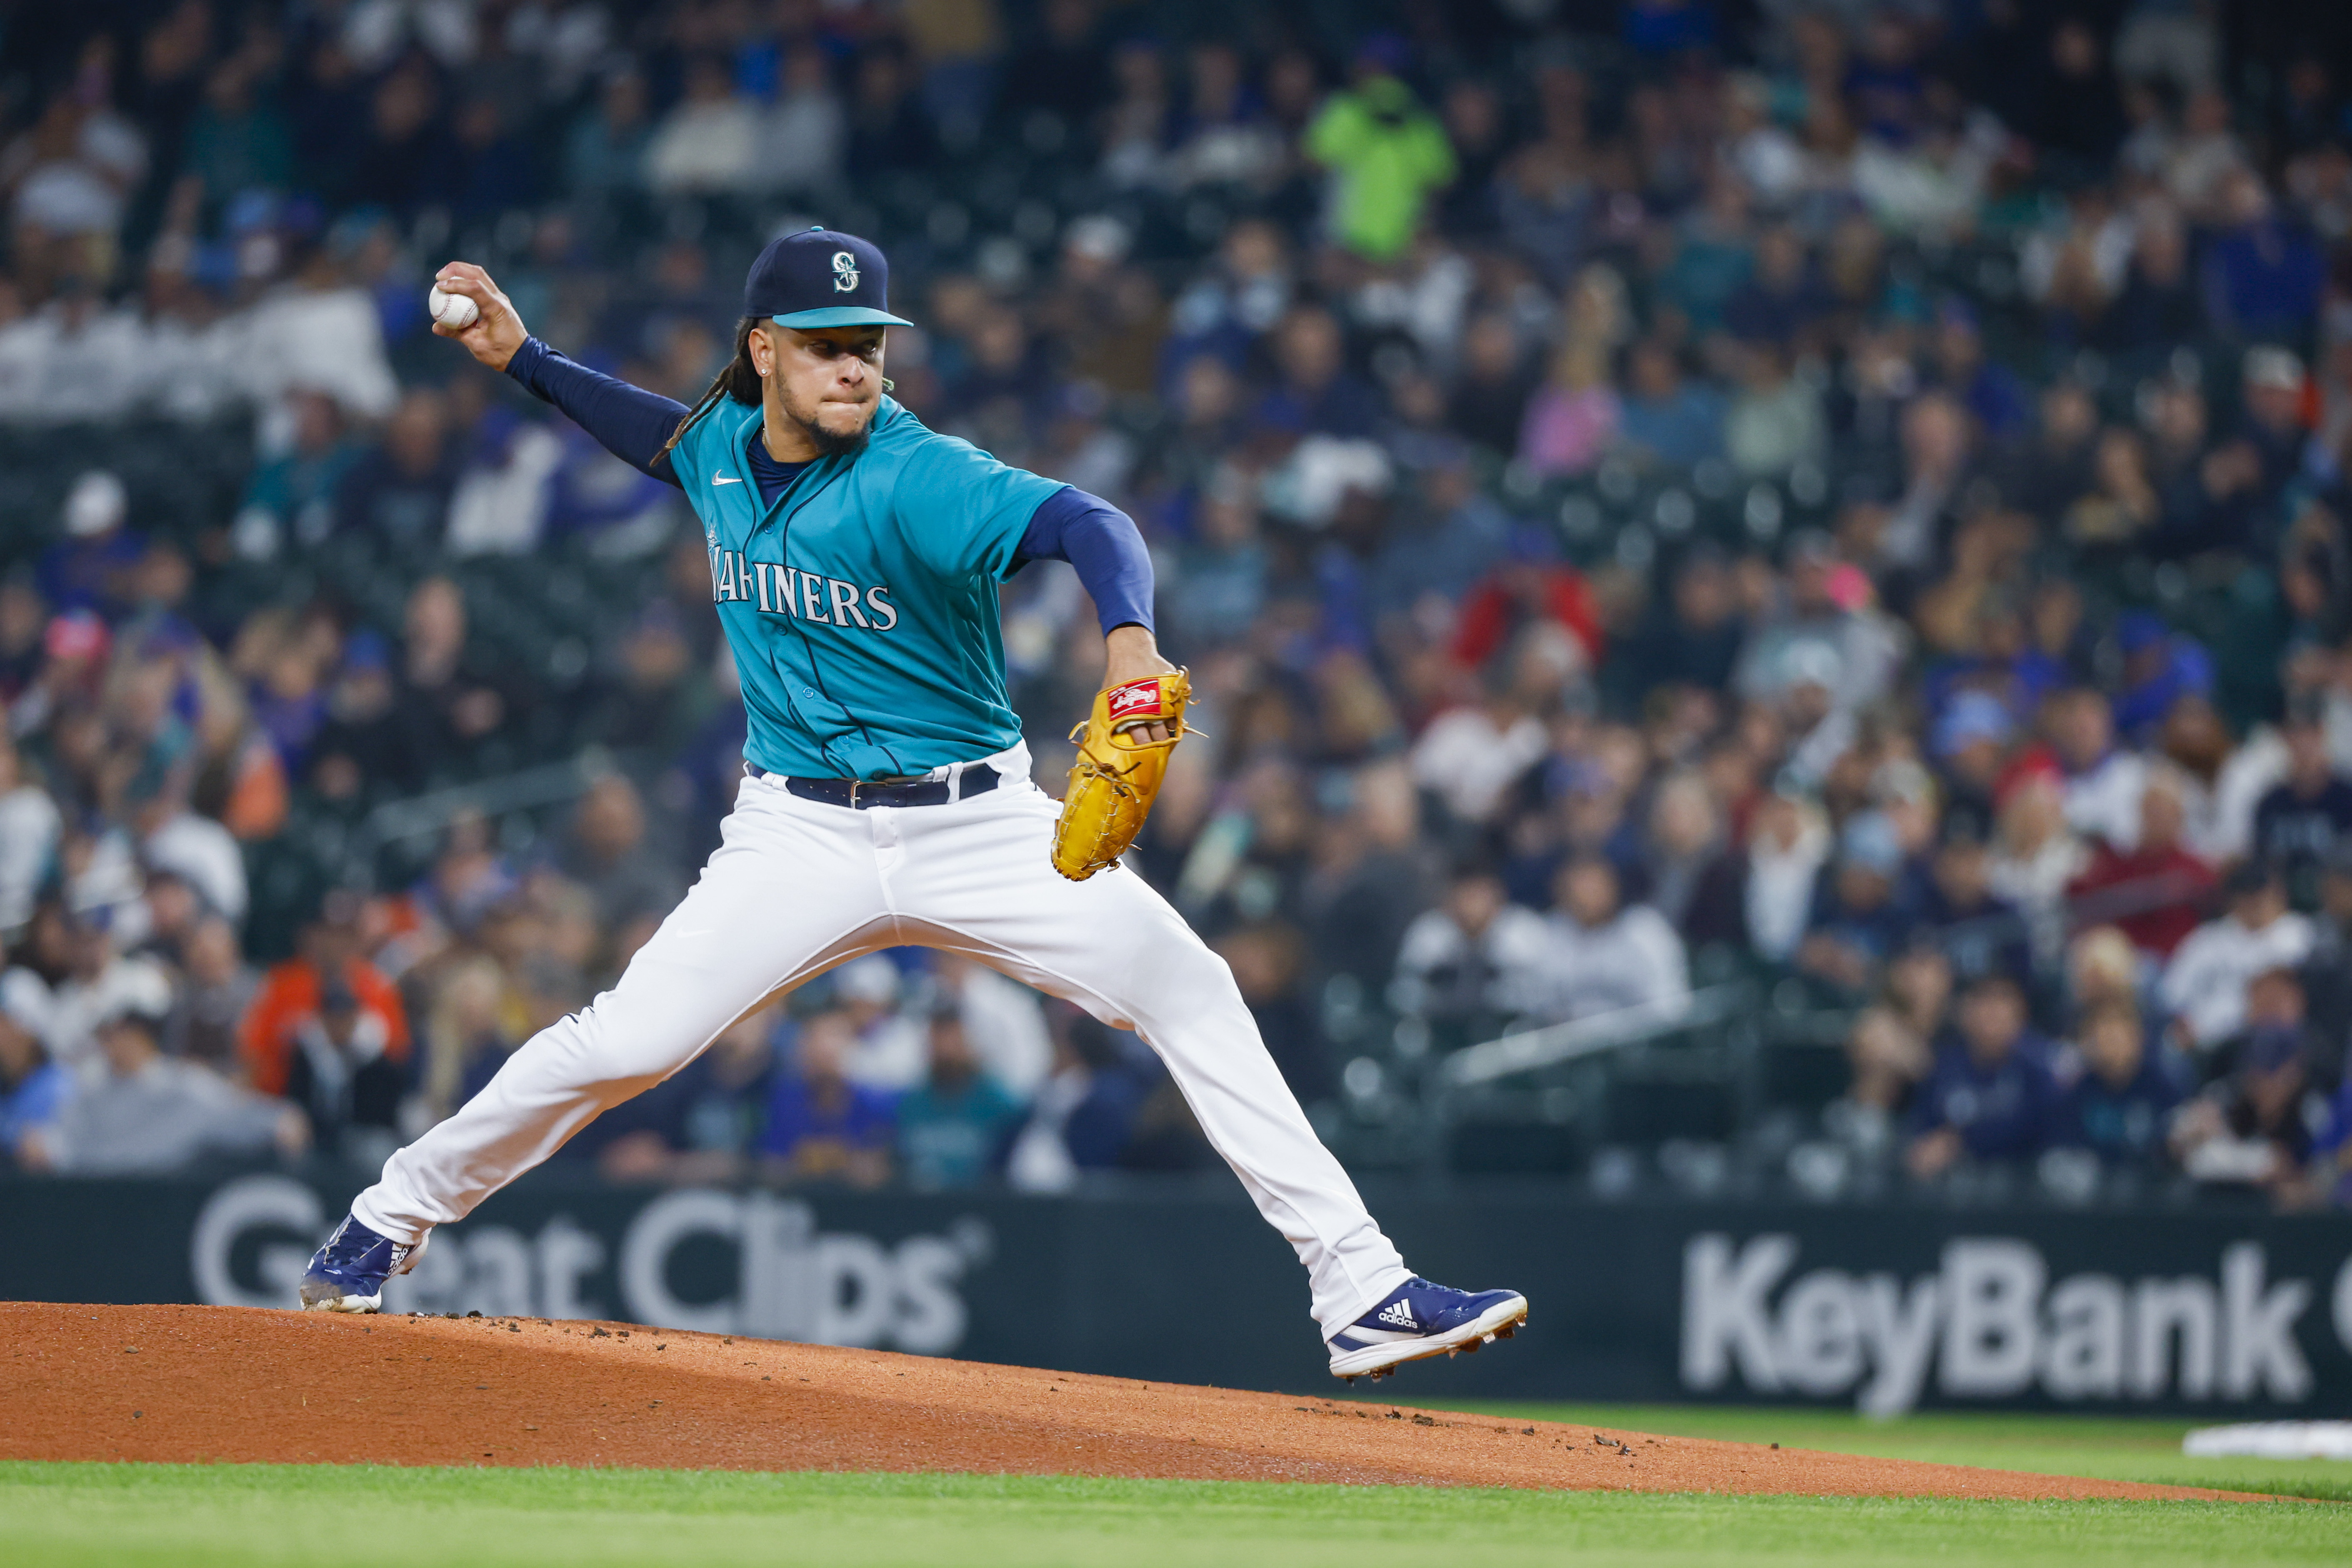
point(495, 335)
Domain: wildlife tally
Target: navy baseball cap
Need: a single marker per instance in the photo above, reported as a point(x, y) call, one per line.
point(821, 278)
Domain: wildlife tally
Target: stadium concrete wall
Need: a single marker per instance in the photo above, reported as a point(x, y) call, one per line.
point(1883, 1308)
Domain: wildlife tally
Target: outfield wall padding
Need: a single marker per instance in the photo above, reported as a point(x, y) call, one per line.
point(1888, 1308)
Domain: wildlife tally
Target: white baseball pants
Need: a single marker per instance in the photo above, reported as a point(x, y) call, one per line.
point(797, 886)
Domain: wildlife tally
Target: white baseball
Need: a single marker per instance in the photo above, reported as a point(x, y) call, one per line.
point(455, 312)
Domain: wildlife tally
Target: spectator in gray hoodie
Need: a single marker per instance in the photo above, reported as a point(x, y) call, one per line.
point(153, 1115)
point(1607, 955)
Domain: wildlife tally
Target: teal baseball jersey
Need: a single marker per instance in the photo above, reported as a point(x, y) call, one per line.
point(861, 607)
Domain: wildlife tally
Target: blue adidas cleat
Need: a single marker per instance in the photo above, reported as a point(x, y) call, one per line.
point(1420, 1320)
point(347, 1275)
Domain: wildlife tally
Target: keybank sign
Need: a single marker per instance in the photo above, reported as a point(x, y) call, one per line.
point(720, 1262)
point(1990, 1324)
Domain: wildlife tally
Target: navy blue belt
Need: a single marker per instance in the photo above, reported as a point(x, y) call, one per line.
point(859, 794)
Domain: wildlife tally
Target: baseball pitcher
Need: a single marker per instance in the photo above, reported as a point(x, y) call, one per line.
point(855, 559)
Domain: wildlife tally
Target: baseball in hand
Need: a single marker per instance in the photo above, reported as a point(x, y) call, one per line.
point(455, 312)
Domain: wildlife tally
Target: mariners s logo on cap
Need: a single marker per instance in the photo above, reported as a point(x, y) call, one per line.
point(821, 278)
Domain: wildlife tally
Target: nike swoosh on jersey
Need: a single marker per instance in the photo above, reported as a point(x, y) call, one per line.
point(723, 479)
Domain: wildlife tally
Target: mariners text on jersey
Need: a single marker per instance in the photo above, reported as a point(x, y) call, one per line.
point(780, 590)
point(861, 606)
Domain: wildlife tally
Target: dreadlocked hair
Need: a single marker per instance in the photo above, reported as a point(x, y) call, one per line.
point(739, 379)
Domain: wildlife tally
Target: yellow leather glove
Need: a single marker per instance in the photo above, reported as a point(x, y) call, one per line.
point(1117, 773)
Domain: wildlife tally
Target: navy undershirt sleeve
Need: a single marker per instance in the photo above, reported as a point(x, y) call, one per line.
point(1102, 543)
point(631, 422)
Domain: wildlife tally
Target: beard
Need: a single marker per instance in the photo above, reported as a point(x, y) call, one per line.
point(836, 443)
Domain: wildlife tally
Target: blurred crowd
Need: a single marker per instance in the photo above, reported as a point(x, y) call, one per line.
point(1843, 500)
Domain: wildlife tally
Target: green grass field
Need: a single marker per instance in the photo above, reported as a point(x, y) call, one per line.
point(190, 1516)
point(2121, 1450)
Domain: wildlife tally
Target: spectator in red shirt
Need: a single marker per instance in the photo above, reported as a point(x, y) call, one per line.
point(1530, 586)
point(2156, 893)
point(291, 994)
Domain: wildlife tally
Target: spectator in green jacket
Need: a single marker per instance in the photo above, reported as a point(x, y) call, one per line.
point(1387, 151)
point(955, 1127)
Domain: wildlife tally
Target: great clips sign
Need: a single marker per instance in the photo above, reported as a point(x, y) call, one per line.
point(697, 1258)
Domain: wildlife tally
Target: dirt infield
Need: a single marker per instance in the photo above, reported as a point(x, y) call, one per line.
point(221, 1383)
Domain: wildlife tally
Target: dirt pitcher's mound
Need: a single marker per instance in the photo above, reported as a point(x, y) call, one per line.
point(183, 1383)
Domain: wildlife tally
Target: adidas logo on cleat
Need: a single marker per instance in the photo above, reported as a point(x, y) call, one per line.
point(1399, 1315)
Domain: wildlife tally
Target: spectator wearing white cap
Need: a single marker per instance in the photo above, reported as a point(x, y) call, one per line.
point(2204, 987)
point(887, 1050)
point(193, 847)
point(87, 569)
point(1826, 602)
point(103, 984)
point(1823, 729)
